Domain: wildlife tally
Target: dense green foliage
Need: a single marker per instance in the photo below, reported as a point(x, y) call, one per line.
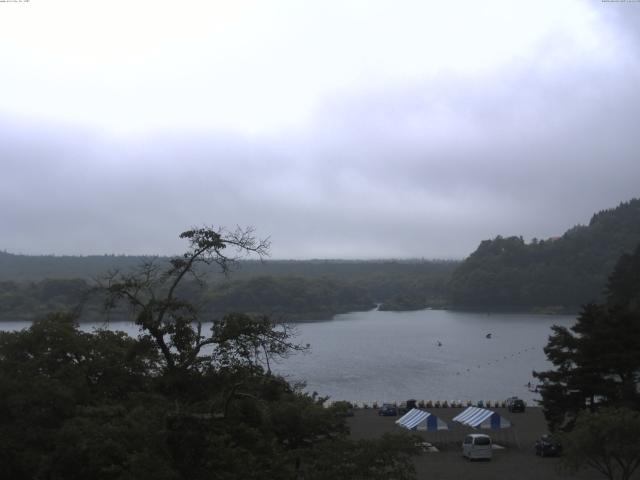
point(555, 274)
point(177, 402)
point(597, 361)
point(607, 441)
point(287, 290)
point(101, 405)
point(33, 268)
point(288, 297)
point(30, 300)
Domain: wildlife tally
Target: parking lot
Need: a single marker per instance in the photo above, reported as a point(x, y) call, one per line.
point(515, 461)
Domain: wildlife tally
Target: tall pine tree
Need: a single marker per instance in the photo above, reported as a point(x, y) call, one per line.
point(597, 361)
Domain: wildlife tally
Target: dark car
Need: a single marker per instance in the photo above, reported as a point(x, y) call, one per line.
point(407, 406)
point(547, 446)
point(388, 410)
point(515, 405)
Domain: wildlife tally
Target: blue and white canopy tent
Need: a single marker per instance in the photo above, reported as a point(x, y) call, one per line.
point(416, 419)
point(476, 417)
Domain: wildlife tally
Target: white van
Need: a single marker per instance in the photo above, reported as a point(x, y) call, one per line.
point(477, 445)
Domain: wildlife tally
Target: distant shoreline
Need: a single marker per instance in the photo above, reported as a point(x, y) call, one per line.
point(310, 317)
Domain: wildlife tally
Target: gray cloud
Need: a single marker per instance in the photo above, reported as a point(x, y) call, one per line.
point(426, 167)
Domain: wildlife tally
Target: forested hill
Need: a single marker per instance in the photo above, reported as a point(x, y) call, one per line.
point(553, 275)
point(557, 274)
point(33, 268)
point(32, 286)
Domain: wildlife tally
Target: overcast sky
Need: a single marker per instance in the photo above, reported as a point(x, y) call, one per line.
point(341, 129)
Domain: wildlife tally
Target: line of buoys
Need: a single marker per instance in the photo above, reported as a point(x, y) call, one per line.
point(505, 357)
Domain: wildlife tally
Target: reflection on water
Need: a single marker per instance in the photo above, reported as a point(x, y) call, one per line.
point(389, 356)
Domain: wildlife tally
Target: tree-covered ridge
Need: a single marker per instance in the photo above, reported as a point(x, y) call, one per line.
point(35, 268)
point(422, 284)
point(554, 274)
point(292, 290)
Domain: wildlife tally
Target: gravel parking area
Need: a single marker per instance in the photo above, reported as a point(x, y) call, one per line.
point(516, 461)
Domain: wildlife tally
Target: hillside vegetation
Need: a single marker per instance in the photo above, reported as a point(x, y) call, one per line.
point(548, 275)
point(291, 290)
point(553, 275)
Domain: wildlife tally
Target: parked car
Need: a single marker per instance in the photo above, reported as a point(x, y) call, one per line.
point(407, 406)
point(509, 400)
point(514, 404)
point(476, 446)
point(547, 446)
point(388, 410)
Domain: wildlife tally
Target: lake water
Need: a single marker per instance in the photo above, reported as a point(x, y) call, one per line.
point(392, 356)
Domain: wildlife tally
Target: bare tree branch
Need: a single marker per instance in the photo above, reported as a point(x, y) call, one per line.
point(152, 292)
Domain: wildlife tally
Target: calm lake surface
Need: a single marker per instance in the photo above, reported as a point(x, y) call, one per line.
point(392, 356)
